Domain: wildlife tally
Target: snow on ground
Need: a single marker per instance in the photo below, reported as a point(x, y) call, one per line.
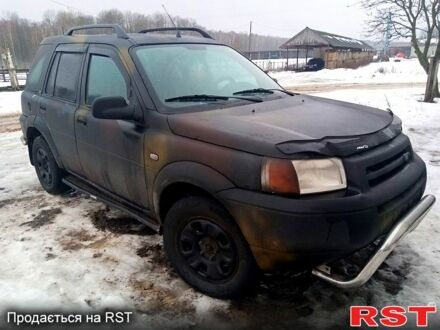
point(8, 83)
point(76, 254)
point(407, 71)
point(10, 103)
point(73, 253)
point(416, 262)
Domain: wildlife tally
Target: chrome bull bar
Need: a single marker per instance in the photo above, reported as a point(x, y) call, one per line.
point(407, 224)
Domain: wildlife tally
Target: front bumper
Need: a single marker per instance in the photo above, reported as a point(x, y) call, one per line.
point(407, 224)
point(302, 233)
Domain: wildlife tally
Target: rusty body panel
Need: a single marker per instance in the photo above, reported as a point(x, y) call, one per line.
point(286, 127)
point(220, 152)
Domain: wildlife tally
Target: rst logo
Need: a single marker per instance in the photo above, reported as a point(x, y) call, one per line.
point(390, 316)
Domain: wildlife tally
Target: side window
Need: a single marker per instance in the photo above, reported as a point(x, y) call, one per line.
point(66, 80)
point(36, 75)
point(53, 71)
point(104, 79)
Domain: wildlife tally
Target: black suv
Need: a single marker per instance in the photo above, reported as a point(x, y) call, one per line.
point(241, 176)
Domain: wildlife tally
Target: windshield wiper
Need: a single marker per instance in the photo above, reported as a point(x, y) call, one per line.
point(209, 98)
point(254, 91)
point(282, 90)
point(262, 91)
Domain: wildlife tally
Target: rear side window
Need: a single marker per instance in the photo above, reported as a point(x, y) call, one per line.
point(66, 80)
point(38, 70)
point(104, 79)
point(50, 85)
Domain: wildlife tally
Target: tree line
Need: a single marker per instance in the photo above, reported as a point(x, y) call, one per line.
point(22, 36)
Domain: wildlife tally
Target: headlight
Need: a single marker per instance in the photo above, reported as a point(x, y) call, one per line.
point(302, 176)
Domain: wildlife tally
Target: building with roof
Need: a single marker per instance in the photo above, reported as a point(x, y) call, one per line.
point(337, 51)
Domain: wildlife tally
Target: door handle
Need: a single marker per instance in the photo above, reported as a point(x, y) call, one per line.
point(43, 107)
point(82, 120)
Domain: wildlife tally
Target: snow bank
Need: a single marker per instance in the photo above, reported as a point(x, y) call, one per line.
point(10, 103)
point(407, 71)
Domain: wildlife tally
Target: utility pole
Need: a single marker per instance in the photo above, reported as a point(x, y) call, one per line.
point(387, 40)
point(250, 40)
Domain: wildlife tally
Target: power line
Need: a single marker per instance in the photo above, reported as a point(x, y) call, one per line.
point(59, 3)
point(357, 3)
point(250, 39)
point(63, 5)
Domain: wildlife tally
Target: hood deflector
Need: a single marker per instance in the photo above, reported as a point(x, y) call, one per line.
point(343, 146)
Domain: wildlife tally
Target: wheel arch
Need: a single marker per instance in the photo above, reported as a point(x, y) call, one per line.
point(186, 178)
point(40, 129)
point(31, 134)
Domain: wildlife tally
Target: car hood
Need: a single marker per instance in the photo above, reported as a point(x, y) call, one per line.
point(291, 125)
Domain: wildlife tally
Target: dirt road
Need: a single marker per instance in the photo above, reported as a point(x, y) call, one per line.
point(9, 123)
point(318, 88)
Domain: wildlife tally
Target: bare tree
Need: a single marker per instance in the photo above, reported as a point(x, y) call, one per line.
point(414, 19)
point(23, 36)
point(111, 16)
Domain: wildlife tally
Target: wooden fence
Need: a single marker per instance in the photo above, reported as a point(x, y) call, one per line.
point(5, 78)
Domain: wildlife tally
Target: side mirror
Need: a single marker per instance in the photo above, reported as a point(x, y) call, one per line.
point(113, 107)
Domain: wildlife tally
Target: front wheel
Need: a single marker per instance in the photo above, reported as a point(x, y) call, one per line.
point(206, 248)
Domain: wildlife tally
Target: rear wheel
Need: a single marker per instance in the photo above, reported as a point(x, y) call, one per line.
point(48, 172)
point(207, 249)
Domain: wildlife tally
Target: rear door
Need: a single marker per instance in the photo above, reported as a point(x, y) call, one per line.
point(59, 102)
point(34, 82)
point(111, 151)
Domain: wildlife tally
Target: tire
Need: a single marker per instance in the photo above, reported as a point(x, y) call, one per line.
point(207, 249)
point(48, 172)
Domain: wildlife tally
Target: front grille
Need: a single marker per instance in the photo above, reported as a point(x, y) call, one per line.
point(399, 205)
point(385, 169)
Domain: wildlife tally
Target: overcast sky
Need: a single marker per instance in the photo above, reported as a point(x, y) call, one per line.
point(271, 17)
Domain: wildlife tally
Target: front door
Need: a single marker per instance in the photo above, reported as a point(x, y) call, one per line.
point(110, 151)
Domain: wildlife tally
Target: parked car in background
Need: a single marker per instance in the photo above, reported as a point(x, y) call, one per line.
point(315, 64)
point(398, 57)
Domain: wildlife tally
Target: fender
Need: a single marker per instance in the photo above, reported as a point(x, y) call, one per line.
point(41, 126)
point(196, 174)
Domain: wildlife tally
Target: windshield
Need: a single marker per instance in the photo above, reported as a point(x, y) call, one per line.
point(176, 70)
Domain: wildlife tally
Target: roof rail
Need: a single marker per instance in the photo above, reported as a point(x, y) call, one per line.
point(178, 28)
point(120, 33)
